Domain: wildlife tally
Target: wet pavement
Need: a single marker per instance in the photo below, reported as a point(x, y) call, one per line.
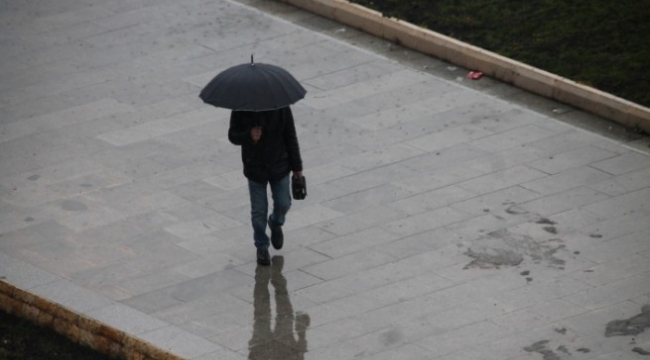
point(446, 219)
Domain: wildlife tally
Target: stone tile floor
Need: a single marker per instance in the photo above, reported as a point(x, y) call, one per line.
point(447, 218)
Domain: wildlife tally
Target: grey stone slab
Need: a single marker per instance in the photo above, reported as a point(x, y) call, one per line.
point(449, 158)
point(615, 270)
point(406, 352)
point(426, 221)
point(431, 200)
point(149, 282)
point(126, 319)
point(366, 199)
point(503, 202)
point(360, 90)
point(566, 180)
point(560, 202)
point(180, 342)
point(624, 163)
point(72, 296)
point(112, 115)
point(559, 162)
point(421, 243)
point(366, 219)
point(354, 242)
point(623, 204)
point(621, 184)
point(349, 76)
point(618, 248)
point(611, 228)
point(347, 264)
point(566, 141)
point(391, 117)
point(501, 179)
point(448, 138)
point(310, 215)
point(611, 293)
point(380, 157)
point(224, 354)
point(23, 275)
point(53, 120)
point(539, 315)
point(513, 138)
point(472, 335)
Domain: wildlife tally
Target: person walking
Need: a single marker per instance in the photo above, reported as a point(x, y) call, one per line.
point(270, 154)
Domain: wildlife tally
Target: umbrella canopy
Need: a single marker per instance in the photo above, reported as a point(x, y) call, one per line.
point(253, 87)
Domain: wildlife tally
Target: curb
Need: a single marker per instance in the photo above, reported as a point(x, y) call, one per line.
point(78, 328)
point(524, 76)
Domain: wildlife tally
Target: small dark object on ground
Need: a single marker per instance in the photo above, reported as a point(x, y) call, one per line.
point(24, 340)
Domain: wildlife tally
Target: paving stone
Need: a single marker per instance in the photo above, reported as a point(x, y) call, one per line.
point(71, 295)
point(371, 198)
point(624, 163)
point(126, 319)
point(425, 221)
point(130, 205)
point(566, 180)
point(348, 264)
point(179, 342)
point(558, 162)
point(560, 202)
point(23, 275)
point(512, 138)
point(472, 335)
point(622, 205)
point(611, 293)
point(501, 179)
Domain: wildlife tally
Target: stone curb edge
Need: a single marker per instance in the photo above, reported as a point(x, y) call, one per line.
point(456, 52)
point(77, 327)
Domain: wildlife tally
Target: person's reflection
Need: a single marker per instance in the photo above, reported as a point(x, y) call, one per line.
point(281, 342)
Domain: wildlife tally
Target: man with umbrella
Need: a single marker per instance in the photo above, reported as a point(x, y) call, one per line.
point(262, 124)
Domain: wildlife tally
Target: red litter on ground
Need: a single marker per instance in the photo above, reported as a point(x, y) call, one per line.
point(475, 75)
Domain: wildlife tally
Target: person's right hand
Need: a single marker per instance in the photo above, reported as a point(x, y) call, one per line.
point(256, 134)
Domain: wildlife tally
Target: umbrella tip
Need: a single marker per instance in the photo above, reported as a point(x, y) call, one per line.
point(252, 62)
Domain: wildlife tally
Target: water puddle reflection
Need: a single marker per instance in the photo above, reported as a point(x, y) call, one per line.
point(283, 336)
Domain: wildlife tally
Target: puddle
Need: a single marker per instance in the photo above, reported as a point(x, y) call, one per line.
point(493, 258)
point(641, 351)
point(390, 337)
point(540, 348)
point(545, 221)
point(503, 248)
point(282, 337)
point(632, 326)
point(550, 229)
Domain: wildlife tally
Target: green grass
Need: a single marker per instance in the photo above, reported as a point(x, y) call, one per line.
point(604, 44)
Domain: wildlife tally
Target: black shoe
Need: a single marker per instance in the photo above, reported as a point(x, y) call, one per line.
point(277, 237)
point(263, 257)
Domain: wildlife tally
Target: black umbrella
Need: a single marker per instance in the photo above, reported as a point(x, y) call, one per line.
point(253, 87)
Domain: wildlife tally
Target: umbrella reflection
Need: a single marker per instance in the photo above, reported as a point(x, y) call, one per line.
point(287, 339)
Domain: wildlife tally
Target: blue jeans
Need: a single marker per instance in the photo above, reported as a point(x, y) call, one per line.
point(260, 206)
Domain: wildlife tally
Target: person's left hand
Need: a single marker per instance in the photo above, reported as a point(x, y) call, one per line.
point(297, 174)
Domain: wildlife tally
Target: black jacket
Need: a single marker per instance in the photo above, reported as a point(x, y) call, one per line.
point(277, 152)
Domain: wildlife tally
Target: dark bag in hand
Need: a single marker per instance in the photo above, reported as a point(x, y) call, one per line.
point(299, 187)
